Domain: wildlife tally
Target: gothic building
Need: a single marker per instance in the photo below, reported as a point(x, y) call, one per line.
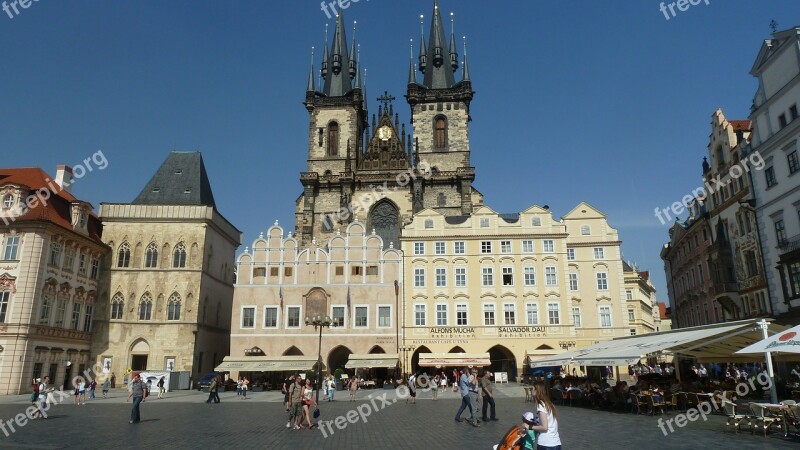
point(374, 170)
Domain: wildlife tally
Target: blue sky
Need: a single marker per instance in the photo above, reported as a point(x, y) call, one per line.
point(604, 102)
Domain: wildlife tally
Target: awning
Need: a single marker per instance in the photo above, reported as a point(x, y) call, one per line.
point(785, 342)
point(372, 360)
point(266, 364)
point(454, 359)
point(561, 359)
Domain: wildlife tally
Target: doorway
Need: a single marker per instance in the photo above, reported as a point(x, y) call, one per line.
point(138, 362)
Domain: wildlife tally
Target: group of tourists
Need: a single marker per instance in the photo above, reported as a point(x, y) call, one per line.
point(299, 398)
point(242, 386)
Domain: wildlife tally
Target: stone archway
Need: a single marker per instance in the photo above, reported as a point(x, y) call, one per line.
point(292, 351)
point(384, 218)
point(338, 357)
point(503, 360)
point(414, 364)
point(456, 349)
point(139, 353)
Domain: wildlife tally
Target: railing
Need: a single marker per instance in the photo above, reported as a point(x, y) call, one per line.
point(791, 244)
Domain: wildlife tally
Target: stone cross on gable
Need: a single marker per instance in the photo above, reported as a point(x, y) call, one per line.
point(386, 99)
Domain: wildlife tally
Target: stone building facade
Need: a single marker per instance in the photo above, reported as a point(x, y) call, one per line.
point(171, 275)
point(640, 295)
point(517, 286)
point(51, 261)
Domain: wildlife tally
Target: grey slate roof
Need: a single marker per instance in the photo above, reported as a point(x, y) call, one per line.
point(181, 180)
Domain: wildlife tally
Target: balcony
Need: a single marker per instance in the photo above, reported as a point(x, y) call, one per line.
point(789, 245)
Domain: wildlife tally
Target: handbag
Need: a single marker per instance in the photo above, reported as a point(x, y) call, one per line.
point(316, 413)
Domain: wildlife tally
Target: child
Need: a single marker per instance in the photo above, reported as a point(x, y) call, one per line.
point(529, 440)
point(523, 437)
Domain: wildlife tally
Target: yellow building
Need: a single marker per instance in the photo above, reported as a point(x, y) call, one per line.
point(520, 287)
point(640, 295)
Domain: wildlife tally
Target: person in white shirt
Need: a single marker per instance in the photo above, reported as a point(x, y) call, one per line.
point(547, 437)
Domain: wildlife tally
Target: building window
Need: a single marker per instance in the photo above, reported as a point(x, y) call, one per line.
point(532, 313)
point(782, 120)
point(485, 222)
point(576, 316)
point(487, 276)
point(794, 163)
point(780, 231)
point(82, 264)
point(179, 256)
point(585, 230)
point(459, 248)
point(509, 314)
point(752, 264)
point(505, 246)
point(441, 314)
point(529, 275)
point(527, 246)
point(486, 247)
point(339, 271)
point(553, 314)
point(124, 255)
point(428, 223)
point(547, 246)
point(87, 319)
point(793, 112)
point(440, 200)
point(419, 248)
point(794, 279)
point(631, 315)
point(69, 258)
point(550, 276)
point(384, 316)
point(55, 253)
point(338, 316)
point(440, 133)
point(4, 298)
point(61, 312)
point(248, 317)
point(12, 247)
point(419, 315)
point(145, 307)
point(570, 254)
point(151, 256)
point(174, 307)
point(769, 176)
point(461, 276)
point(117, 307)
point(355, 270)
point(441, 277)
point(536, 221)
point(292, 317)
point(76, 316)
point(461, 314)
point(573, 281)
point(333, 139)
point(628, 294)
point(361, 317)
point(419, 277)
point(371, 270)
point(488, 314)
point(439, 248)
point(632, 331)
point(508, 276)
point(44, 316)
point(605, 316)
point(602, 281)
point(8, 201)
point(599, 253)
point(260, 272)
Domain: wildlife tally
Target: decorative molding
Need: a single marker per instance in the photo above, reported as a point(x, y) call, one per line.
point(8, 283)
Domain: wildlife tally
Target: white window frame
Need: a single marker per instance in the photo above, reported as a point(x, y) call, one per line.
point(573, 281)
point(439, 248)
point(513, 311)
point(550, 279)
point(277, 318)
point(459, 248)
point(529, 275)
point(535, 309)
point(440, 277)
point(424, 315)
point(577, 320)
point(463, 275)
point(599, 253)
point(600, 315)
point(299, 317)
point(344, 315)
point(548, 246)
point(378, 316)
point(507, 270)
point(536, 221)
point(484, 222)
point(586, 230)
point(506, 246)
point(570, 254)
point(355, 316)
point(632, 314)
point(466, 314)
point(419, 272)
point(487, 271)
point(602, 277)
point(419, 248)
point(446, 314)
point(558, 313)
point(241, 316)
point(8, 255)
point(486, 247)
point(489, 308)
point(527, 246)
point(5, 311)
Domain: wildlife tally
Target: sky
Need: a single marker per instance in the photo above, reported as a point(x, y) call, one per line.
point(604, 102)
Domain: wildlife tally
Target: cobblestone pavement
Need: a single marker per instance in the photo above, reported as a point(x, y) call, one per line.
point(184, 420)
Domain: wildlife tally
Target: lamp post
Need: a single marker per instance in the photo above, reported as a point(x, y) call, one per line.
point(319, 321)
point(406, 349)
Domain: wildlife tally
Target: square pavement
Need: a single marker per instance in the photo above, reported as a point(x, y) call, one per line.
point(184, 420)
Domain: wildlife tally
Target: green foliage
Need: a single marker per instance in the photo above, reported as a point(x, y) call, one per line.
point(338, 373)
point(311, 374)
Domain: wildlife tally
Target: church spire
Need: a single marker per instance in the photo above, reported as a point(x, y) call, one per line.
point(326, 57)
point(310, 87)
point(353, 69)
point(412, 73)
point(337, 81)
point(465, 71)
point(423, 50)
point(453, 52)
point(438, 75)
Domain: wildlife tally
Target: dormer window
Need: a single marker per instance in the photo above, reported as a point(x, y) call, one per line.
point(82, 220)
point(8, 201)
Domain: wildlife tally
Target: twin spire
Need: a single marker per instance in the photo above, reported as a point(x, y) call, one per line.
point(340, 69)
point(436, 61)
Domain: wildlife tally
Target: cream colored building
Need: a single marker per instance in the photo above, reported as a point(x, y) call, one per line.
point(51, 258)
point(520, 287)
point(171, 283)
point(640, 295)
point(350, 278)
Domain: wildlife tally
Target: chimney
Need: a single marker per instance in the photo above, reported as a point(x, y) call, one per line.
point(64, 177)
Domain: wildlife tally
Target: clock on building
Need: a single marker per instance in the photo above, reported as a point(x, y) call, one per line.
point(385, 133)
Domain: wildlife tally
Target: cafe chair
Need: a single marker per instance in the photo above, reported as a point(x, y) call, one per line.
point(764, 417)
point(735, 418)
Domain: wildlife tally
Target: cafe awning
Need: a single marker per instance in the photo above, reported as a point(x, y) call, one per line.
point(454, 359)
point(266, 364)
point(372, 360)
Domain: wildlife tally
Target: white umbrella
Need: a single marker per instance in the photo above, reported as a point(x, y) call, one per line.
point(785, 342)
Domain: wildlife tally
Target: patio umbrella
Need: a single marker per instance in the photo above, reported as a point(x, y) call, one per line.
point(786, 342)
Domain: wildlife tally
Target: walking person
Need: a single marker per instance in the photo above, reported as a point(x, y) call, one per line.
point(287, 383)
point(245, 387)
point(308, 400)
point(488, 396)
point(547, 437)
point(412, 389)
point(81, 392)
point(239, 388)
point(138, 393)
point(106, 387)
point(443, 382)
point(212, 391)
point(331, 388)
point(473, 393)
point(353, 388)
point(92, 387)
point(295, 404)
point(436, 387)
point(161, 388)
point(44, 391)
point(113, 380)
point(463, 388)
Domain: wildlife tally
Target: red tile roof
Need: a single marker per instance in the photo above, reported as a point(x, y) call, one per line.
point(744, 125)
point(662, 310)
point(56, 209)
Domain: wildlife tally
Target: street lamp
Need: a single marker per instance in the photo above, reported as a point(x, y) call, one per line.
point(319, 321)
point(406, 349)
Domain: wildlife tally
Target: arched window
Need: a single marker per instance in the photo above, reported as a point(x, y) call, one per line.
point(145, 307)
point(117, 306)
point(333, 139)
point(174, 307)
point(440, 200)
point(151, 256)
point(8, 201)
point(124, 255)
point(440, 132)
point(179, 256)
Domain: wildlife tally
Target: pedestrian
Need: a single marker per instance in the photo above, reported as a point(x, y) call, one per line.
point(463, 388)
point(548, 437)
point(138, 393)
point(212, 391)
point(239, 388)
point(44, 391)
point(488, 396)
point(287, 383)
point(245, 387)
point(308, 401)
point(473, 393)
point(113, 380)
point(435, 383)
point(149, 386)
point(412, 389)
point(443, 382)
point(82, 392)
point(161, 388)
point(106, 387)
point(92, 387)
point(296, 404)
point(353, 388)
point(331, 387)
